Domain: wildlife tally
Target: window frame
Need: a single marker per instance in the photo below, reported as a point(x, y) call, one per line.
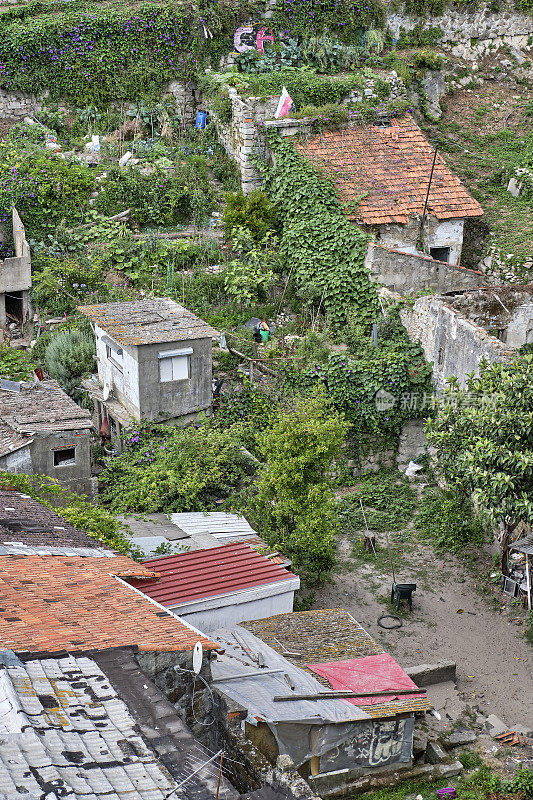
point(170, 355)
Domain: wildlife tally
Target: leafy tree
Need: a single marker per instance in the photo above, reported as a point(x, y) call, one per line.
point(295, 503)
point(252, 212)
point(483, 437)
point(68, 357)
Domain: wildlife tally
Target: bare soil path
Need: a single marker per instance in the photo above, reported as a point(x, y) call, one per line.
point(451, 620)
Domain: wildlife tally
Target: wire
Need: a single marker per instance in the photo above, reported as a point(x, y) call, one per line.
point(213, 704)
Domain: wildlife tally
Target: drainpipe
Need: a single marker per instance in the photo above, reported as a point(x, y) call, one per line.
point(421, 232)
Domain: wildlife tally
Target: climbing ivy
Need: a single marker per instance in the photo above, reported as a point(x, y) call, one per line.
point(325, 250)
point(345, 19)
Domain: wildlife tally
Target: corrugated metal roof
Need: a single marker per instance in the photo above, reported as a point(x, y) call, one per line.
point(523, 545)
point(151, 321)
point(207, 573)
point(218, 523)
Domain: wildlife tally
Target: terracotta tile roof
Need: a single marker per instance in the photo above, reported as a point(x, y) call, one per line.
point(390, 167)
point(186, 577)
point(55, 603)
point(153, 321)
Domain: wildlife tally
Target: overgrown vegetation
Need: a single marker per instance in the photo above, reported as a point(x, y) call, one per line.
point(102, 525)
point(15, 365)
point(108, 52)
point(388, 502)
point(447, 521)
point(176, 469)
point(295, 504)
point(325, 250)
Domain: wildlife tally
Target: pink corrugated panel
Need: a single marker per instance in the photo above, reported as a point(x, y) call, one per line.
point(368, 674)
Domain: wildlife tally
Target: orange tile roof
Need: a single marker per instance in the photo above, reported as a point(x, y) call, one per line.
point(390, 166)
point(53, 603)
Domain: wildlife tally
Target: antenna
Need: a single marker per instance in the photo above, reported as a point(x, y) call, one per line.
point(197, 657)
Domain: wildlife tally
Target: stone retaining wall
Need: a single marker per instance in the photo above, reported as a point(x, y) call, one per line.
point(464, 29)
point(16, 106)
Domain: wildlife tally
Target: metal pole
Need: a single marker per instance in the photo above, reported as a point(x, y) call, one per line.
point(390, 559)
point(421, 234)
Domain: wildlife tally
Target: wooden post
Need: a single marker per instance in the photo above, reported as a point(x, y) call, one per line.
point(219, 774)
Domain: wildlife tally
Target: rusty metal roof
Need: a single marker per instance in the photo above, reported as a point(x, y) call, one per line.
point(152, 321)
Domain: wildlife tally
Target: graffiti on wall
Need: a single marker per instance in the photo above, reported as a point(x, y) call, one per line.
point(375, 744)
point(252, 37)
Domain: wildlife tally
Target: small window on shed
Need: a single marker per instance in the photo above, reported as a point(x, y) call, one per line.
point(67, 455)
point(175, 365)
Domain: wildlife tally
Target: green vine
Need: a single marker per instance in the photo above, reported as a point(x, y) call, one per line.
point(325, 249)
point(95, 53)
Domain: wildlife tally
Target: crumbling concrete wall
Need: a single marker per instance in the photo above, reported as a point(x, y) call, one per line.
point(405, 272)
point(454, 344)
point(187, 99)
point(436, 233)
point(15, 272)
point(520, 326)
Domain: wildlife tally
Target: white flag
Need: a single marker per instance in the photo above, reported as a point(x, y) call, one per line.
point(285, 104)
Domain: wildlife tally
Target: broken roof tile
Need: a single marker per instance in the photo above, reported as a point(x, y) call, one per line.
point(385, 172)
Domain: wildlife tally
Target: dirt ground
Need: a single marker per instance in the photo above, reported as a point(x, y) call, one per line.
point(450, 621)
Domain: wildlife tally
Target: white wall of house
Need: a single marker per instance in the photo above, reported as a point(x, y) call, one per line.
point(224, 611)
point(18, 461)
point(437, 233)
point(121, 372)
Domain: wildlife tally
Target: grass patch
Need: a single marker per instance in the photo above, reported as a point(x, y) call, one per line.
point(447, 521)
point(388, 499)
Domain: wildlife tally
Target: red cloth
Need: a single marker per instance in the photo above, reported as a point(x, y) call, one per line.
point(368, 674)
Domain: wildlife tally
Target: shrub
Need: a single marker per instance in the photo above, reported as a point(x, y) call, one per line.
point(168, 469)
point(43, 187)
point(295, 504)
point(68, 358)
point(160, 198)
point(252, 212)
point(15, 365)
point(61, 284)
point(448, 522)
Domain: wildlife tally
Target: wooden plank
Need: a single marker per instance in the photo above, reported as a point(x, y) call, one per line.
point(336, 694)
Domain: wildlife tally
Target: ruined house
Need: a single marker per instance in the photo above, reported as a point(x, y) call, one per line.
point(279, 674)
point(15, 278)
point(154, 363)
point(458, 330)
point(382, 175)
point(44, 432)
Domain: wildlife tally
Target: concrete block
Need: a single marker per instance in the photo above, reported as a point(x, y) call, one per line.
point(428, 674)
point(435, 754)
point(495, 726)
point(449, 770)
point(420, 742)
point(459, 738)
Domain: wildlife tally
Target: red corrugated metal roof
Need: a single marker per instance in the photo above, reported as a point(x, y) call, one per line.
point(207, 573)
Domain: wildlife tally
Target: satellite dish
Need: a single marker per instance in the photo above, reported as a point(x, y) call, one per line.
point(107, 391)
point(197, 658)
